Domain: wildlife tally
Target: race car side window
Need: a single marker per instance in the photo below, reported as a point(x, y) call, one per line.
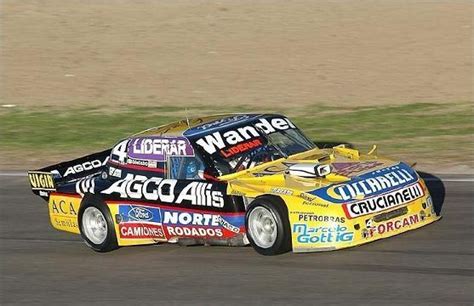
point(186, 168)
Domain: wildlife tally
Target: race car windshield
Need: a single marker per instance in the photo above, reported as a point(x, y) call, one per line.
point(274, 146)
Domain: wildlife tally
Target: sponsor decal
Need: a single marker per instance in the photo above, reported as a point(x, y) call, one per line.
point(41, 180)
point(322, 234)
point(369, 224)
point(141, 231)
point(61, 207)
point(63, 213)
point(159, 148)
point(389, 226)
point(382, 202)
point(186, 218)
point(140, 222)
point(115, 172)
point(217, 141)
point(347, 169)
point(85, 166)
point(307, 197)
point(86, 185)
point(142, 163)
point(283, 191)
point(193, 231)
point(368, 185)
point(138, 213)
point(193, 224)
point(166, 191)
point(138, 162)
point(226, 224)
point(325, 205)
point(241, 148)
point(310, 217)
point(237, 192)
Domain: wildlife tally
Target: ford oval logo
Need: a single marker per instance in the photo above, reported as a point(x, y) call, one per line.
point(140, 214)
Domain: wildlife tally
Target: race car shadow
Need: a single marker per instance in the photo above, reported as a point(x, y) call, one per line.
point(330, 144)
point(436, 188)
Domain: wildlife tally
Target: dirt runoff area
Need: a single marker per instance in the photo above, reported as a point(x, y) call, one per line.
point(285, 54)
point(354, 52)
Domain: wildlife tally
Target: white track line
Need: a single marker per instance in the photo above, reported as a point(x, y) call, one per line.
point(11, 174)
point(467, 179)
point(451, 179)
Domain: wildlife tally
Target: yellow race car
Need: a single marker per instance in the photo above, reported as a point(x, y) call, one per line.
point(233, 180)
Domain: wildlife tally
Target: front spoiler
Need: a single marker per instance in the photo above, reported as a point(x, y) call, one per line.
point(332, 236)
point(362, 241)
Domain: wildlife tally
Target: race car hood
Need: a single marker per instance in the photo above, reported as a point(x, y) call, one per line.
point(353, 176)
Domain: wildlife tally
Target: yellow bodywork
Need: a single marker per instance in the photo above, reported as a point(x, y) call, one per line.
point(317, 224)
point(63, 212)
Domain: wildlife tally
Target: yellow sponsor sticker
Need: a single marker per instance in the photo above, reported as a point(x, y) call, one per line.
point(317, 230)
point(63, 212)
point(41, 180)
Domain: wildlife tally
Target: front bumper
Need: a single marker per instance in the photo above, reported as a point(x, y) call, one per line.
point(334, 233)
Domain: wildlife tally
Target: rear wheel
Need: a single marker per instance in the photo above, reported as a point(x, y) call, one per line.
point(267, 225)
point(96, 225)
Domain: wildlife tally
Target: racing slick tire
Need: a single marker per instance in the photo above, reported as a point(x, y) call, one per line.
point(96, 225)
point(267, 225)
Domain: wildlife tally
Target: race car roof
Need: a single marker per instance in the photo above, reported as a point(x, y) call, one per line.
point(192, 127)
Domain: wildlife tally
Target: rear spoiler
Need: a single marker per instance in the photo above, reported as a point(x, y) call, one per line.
point(45, 180)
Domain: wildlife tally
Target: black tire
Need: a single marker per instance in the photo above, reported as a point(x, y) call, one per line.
point(110, 241)
point(278, 210)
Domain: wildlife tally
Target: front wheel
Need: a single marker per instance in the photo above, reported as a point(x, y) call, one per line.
point(96, 225)
point(267, 225)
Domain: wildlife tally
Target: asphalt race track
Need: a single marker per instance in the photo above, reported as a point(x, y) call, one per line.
point(39, 265)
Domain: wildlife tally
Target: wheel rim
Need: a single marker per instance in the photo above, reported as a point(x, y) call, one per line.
point(262, 227)
point(94, 225)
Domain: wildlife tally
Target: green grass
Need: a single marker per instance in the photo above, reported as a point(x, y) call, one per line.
point(391, 123)
point(419, 126)
point(79, 128)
